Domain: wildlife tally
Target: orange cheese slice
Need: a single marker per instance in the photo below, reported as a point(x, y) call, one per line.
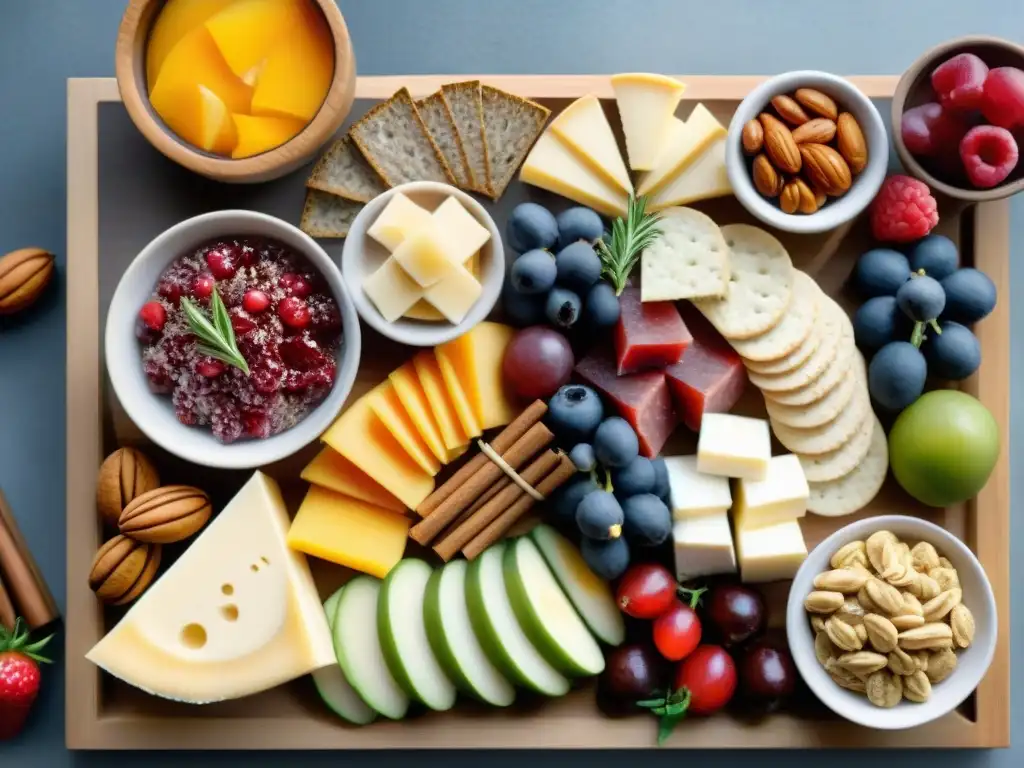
point(429, 374)
point(409, 391)
point(448, 362)
point(385, 404)
point(476, 358)
point(333, 471)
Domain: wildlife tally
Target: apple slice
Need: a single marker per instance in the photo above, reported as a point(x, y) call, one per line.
point(495, 623)
point(332, 685)
point(545, 613)
point(451, 635)
point(403, 635)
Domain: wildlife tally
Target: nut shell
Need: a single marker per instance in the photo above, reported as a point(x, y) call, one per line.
point(124, 475)
point(166, 515)
point(779, 144)
point(828, 171)
point(24, 275)
point(123, 569)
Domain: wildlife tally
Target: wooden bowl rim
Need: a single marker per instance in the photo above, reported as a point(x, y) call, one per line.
point(314, 135)
point(899, 100)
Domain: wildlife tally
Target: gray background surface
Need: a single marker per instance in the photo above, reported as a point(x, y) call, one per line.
point(42, 42)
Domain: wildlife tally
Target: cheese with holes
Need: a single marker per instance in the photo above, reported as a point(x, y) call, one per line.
point(429, 373)
point(331, 470)
point(391, 290)
point(772, 553)
point(410, 393)
point(704, 179)
point(477, 359)
point(362, 438)
point(694, 493)
point(448, 363)
point(425, 254)
point(349, 532)
point(236, 614)
point(646, 105)
point(388, 408)
point(734, 446)
point(781, 496)
point(684, 142)
point(551, 165)
point(399, 217)
point(703, 546)
point(583, 127)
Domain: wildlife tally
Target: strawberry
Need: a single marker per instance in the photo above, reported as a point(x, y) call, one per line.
point(19, 678)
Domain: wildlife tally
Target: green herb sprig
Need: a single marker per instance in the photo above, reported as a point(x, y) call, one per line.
point(620, 248)
point(216, 338)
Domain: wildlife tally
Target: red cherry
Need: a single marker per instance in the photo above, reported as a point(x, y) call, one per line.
point(153, 315)
point(677, 632)
point(202, 288)
point(646, 591)
point(241, 324)
point(255, 301)
point(210, 368)
point(221, 262)
point(293, 312)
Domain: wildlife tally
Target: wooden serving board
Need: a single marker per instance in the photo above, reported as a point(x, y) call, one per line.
point(122, 193)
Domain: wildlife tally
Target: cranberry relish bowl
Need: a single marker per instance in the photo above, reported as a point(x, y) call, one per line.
point(231, 340)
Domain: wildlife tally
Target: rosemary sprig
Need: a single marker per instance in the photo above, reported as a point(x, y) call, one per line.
point(216, 338)
point(620, 249)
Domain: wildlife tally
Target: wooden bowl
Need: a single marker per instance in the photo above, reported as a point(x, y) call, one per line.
point(914, 89)
point(130, 67)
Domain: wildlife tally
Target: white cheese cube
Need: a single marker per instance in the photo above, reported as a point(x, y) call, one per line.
point(772, 553)
point(734, 446)
point(702, 546)
point(464, 234)
point(391, 290)
point(399, 217)
point(424, 254)
point(453, 296)
point(781, 496)
point(694, 493)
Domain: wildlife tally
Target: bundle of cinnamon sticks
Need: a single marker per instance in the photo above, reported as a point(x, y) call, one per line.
point(22, 589)
point(483, 499)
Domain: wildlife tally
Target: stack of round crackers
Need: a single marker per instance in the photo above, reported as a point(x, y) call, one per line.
point(798, 347)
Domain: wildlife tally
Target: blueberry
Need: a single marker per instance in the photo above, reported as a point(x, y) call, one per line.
point(582, 455)
point(579, 224)
point(661, 486)
point(522, 310)
point(921, 298)
point(615, 442)
point(531, 226)
point(936, 255)
point(579, 267)
point(896, 375)
point(879, 321)
point(634, 478)
point(881, 272)
point(607, 559)
point(647, 521)
point(574, 413)
point(533, 272)
point(970, 296)
point(563, 504)
point(954, 354)
point(601, 306)
point(599, 516)
point(562, 307)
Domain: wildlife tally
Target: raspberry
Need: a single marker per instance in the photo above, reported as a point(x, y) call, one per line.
point(989, 154)
point(1003, 101)
point(930, 131)
point(960, 81)
point(903, 210)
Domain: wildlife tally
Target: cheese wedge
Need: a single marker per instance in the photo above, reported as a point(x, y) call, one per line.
point(329, 469)
point(236, 614)
point(583, 127)
point(646, 105)
point(704, 179)
point(388, 408)
point(684, 143)
point(477, 358)
point(551, 165)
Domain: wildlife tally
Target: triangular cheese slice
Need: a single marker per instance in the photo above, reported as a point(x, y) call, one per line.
point(646, 105)
point(551, 165)
point(685, 143)
point(237, 613)
point(584, 128)
point(476, 358)
point(703, 179)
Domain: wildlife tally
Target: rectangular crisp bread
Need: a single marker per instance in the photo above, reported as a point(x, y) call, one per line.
point(327, 215)
point(511, 126)
point(439, 121)
point(466, 106)
point(396, 142)
point(343, 171)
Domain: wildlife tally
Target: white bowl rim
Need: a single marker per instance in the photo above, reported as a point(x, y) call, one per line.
point(243, 454)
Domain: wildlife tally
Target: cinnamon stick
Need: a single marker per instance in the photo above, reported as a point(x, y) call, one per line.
point(505, 440)
point(509, 495)
point(498, 527)
point(7, 615)
point(489, 494)
point(25, 585)
point(522, 450)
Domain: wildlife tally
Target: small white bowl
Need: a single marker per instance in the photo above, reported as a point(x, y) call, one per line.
point(362, 256)
point(836, 211)
point(972, 663)
point(153, 413)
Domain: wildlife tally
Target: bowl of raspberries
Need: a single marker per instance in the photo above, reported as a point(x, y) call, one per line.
point(958, 118)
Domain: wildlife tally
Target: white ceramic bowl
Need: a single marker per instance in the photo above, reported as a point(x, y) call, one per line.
point(153, 413)
point(972, 663)
point(362, 256)
point(837, 210)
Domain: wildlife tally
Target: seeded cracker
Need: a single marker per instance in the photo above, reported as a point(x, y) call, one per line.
point(688, 260)
point(343, 171)
point(327, 215)
point(465, 103)
point(439, 121)
point(792, 330)
point(855, 490)
point(395, 141)
point(511, 126)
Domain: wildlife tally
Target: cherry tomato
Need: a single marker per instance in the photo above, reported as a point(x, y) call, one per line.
point(646, 591)
point(709, 674)
point(677, 632)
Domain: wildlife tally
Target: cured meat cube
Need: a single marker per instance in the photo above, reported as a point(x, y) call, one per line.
point(648, 335)
point(642, 399)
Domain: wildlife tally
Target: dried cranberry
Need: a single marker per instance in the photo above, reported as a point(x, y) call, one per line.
point(202, 288)
point(222, 262)
point(247, 256)
point(266, 380)
point(255, 301)
point(170, 291)
point(210, 368)
point(241, 323)
point(293, 312)
point(296, 285)
point(256, 423)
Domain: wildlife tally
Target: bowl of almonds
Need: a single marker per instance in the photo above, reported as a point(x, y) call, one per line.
point(807, 151)
point(892, 622)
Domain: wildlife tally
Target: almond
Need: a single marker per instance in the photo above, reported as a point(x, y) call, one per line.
point(817, 102)
point(882, 633)
point(123, 569)
point(166, 515)
point(820, 130)
point(851, 142)
point(826, 168)
point(884, 689)
point(941, 665)
point(789, 110)
point(842, 635)
point(24, 274)
point(779, 144)
point(925, 557)
point(823, 601)
point(809, 204)
point(863, 663)
point(789, 199)
point(926, 637)
point(961, 621)
point(939, 607)
point(917, 687)
point(124, 474)
point(842, 580)
point(849, 553)
point(766, 179)
point(885, 596)
point(752, 137)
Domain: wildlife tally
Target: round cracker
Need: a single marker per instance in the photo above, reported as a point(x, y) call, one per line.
point(827, 437)
point(854, 490)
point(792, 329)
point(689, 259)
point(821, 411)
point(840, 368)
point(794, 359)
point(830, 328)
point(845, 458)
point(760, 284)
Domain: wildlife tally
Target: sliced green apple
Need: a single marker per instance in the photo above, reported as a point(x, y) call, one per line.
point(332, 685)
point(451, 635)
point(495, 623)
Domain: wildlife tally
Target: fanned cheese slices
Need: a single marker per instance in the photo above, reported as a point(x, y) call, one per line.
point(686, 141)
point(646, 104)
point(584, 129)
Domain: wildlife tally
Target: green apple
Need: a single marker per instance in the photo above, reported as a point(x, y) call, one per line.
point(943, 447)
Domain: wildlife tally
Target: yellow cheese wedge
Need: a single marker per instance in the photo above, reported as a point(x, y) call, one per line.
point(477, 358)
point(173, 21)
point(409, 391)
point(584, 128)
point(349, 532)
point(685, 143)
point(247, 30)
point(399, 217)
point(704, 179)
point(360, 437)
point(423, 310)
point(429, 373)
point(646, 105)
point(257, 135)
point(551, 165)
point(333, 471)
point(385, 404)
point(448, 362)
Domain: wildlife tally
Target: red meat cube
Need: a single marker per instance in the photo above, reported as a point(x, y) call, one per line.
point(648, 335)
point(642, 399)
